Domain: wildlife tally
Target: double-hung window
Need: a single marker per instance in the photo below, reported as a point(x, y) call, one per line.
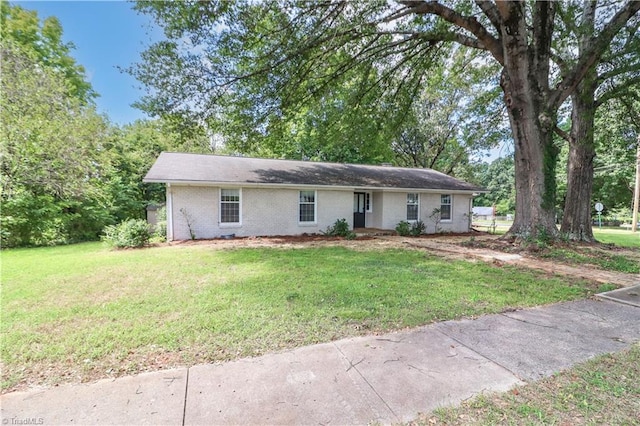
point(412, 206)
point(307, 209)
point(445, 207)
point(230, 206)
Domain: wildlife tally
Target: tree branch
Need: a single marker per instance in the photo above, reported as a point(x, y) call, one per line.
point(564, 135)
point(489, 9)
point(616, 91)
point(446, 36)
point(632, 112)
point(468, 23)
point(618, 71)
point(591, 56)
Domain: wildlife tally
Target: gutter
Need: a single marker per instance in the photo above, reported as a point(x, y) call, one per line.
point(476, 191)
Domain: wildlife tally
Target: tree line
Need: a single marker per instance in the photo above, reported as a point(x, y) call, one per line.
point(416, 84)
point(66, 171)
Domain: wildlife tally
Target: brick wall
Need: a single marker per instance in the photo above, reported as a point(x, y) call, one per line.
point(263, 212)
point(268, 211)
point(392, 206)
point(459, 212)
point(195, 207)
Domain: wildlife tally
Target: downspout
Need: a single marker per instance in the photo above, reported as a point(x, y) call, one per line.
point(169, 213)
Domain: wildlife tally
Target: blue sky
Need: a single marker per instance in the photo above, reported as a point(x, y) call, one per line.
point(107, 34)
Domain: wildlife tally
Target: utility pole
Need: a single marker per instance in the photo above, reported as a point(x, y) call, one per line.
point(636, 195)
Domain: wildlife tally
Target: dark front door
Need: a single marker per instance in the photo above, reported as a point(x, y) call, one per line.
point(358, 209)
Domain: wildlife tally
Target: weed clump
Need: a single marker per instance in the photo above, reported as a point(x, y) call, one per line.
point(340, 228)
point(405, 229)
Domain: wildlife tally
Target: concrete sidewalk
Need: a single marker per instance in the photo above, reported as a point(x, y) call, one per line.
point(386, 379)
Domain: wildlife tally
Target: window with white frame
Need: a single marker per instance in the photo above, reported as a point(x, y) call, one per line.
point(445, 206)
point(412, 206)
point(229, 205)
point(307, 211)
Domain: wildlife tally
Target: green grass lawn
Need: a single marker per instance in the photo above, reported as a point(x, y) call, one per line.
point(83, 312)
point(602, 391)
point(617, 236)
point(603, 257)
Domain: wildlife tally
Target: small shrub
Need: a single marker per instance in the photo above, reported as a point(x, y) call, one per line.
point(340, 228)
point(403, 228)
point(406, 229)
point(436, 218)
point(189, 219)
point(129, 234)
point(418, 228)
point(160, 233)
point(539, 239)
point(543, 238)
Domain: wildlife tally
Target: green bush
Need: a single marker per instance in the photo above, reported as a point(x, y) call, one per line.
point(340, 228)
point(403, 228)
point(129, 234)
point(44, 220)
point(418, 228)
point(406, 229)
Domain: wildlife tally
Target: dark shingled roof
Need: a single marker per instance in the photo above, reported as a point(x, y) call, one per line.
point(198, 168)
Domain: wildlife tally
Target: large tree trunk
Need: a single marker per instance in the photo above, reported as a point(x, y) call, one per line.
point(535, 159)
point(525, 83)
point(576, 220)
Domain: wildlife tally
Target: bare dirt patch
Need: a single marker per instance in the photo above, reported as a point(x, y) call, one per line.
point(603, 263)
point(288, 242)
point(573, 260)
point(314, 240)
point(584, 260)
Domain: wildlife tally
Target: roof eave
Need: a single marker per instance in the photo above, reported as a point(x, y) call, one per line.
point(294, 186)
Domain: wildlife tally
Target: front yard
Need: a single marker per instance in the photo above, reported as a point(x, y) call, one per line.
point(83, 312)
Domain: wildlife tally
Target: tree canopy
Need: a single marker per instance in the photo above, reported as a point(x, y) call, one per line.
point(260, 62)
point(616, 134)
point(50, 145)
point(456, 116)
point(42, 41)
point(66, 171)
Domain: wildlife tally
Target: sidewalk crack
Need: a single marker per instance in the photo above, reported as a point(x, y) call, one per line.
point(354, 366)
point(529, 322)
point(351, 364)
point(186, 390)
point(486, 357)
point(593, 314)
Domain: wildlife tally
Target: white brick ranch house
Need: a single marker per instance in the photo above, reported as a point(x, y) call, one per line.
point(211, 195)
